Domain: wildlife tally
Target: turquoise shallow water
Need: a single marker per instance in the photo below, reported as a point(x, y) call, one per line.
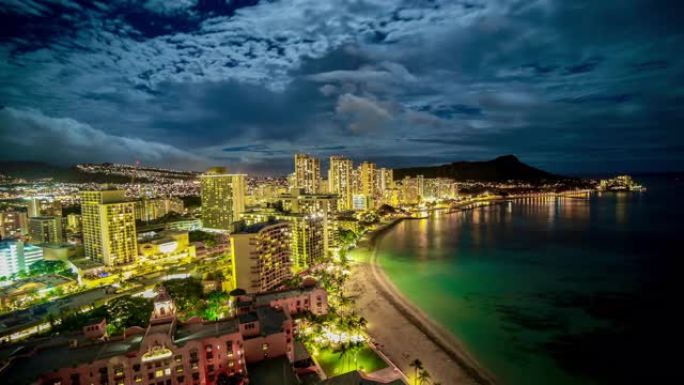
point(553, 291)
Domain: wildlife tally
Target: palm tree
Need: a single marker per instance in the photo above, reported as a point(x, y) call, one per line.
point(344, 354)
point(416, 365)
point(423, 376)
point(357, 346)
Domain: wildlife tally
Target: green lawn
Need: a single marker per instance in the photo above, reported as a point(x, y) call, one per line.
point(334, 364)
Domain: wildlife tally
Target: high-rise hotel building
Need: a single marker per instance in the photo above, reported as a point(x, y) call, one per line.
point(307, 175)
point(384, 180)
point(108, 227)
point(340, 181)
point(309, 245)
point(223, 198)
point(261, 256)
point(385, 185)
point(367, 177)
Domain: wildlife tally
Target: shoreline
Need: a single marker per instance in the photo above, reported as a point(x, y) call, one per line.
point(444, 356)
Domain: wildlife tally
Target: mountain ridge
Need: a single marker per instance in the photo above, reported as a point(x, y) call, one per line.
point(35, 170)
point(502, 168)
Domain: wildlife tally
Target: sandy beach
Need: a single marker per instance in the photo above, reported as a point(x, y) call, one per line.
point(403, 332)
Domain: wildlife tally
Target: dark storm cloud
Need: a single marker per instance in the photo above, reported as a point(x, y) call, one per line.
point(236, 111)
point(570, 85)
point(30, 135)
point(584, 67)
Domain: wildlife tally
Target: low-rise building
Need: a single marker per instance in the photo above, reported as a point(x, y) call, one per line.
point(167, 352)
point(15, 256)
point(311, 298)
point(184, 225)
point(360, 202)
point(60, 252)
point(23, 291)
point(166, 245)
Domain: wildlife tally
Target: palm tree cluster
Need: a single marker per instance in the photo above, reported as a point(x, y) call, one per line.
point(420, 375)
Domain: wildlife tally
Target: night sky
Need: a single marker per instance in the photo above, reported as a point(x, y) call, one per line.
point(572, 86)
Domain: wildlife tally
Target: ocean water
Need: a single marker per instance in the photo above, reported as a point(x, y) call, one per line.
point(554, 291)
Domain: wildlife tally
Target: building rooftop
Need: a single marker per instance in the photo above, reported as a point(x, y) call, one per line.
point(24, 369)
point(34, 283)
point(264, 299)
point(7, 243)
point(276, 371)
point(189, 332)
point(59, 353)
point(248, 317)
point(306, 196)
point(255, 228)
point(43, 217)
point(270, 320)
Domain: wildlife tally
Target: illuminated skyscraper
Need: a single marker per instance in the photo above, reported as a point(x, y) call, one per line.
point(321, 206)
point(439, 188)
point(384, 180)
point(46, 230)
point(261, 256)
point(37, 207)
point(367, 175)
point(33, 207)
point(385, 186)
point(307, 173)
point(108, 227)
point(411, 190)
point(310, 241)
point(356, 181)
point(150, 209)
point(223, 198)
point(340, 181)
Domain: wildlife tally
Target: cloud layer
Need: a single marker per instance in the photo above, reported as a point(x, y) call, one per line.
point(30, 135)
point(403, 83)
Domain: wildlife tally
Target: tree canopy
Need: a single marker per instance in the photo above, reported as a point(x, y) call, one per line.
point(187, 294)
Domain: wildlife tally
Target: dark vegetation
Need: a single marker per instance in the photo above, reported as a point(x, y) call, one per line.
point(43, 267)
point(120, 313)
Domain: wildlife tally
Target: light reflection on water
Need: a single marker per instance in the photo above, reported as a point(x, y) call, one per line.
point(505, 277)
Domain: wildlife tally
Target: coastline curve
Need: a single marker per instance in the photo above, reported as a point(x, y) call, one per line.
point(443, 339)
